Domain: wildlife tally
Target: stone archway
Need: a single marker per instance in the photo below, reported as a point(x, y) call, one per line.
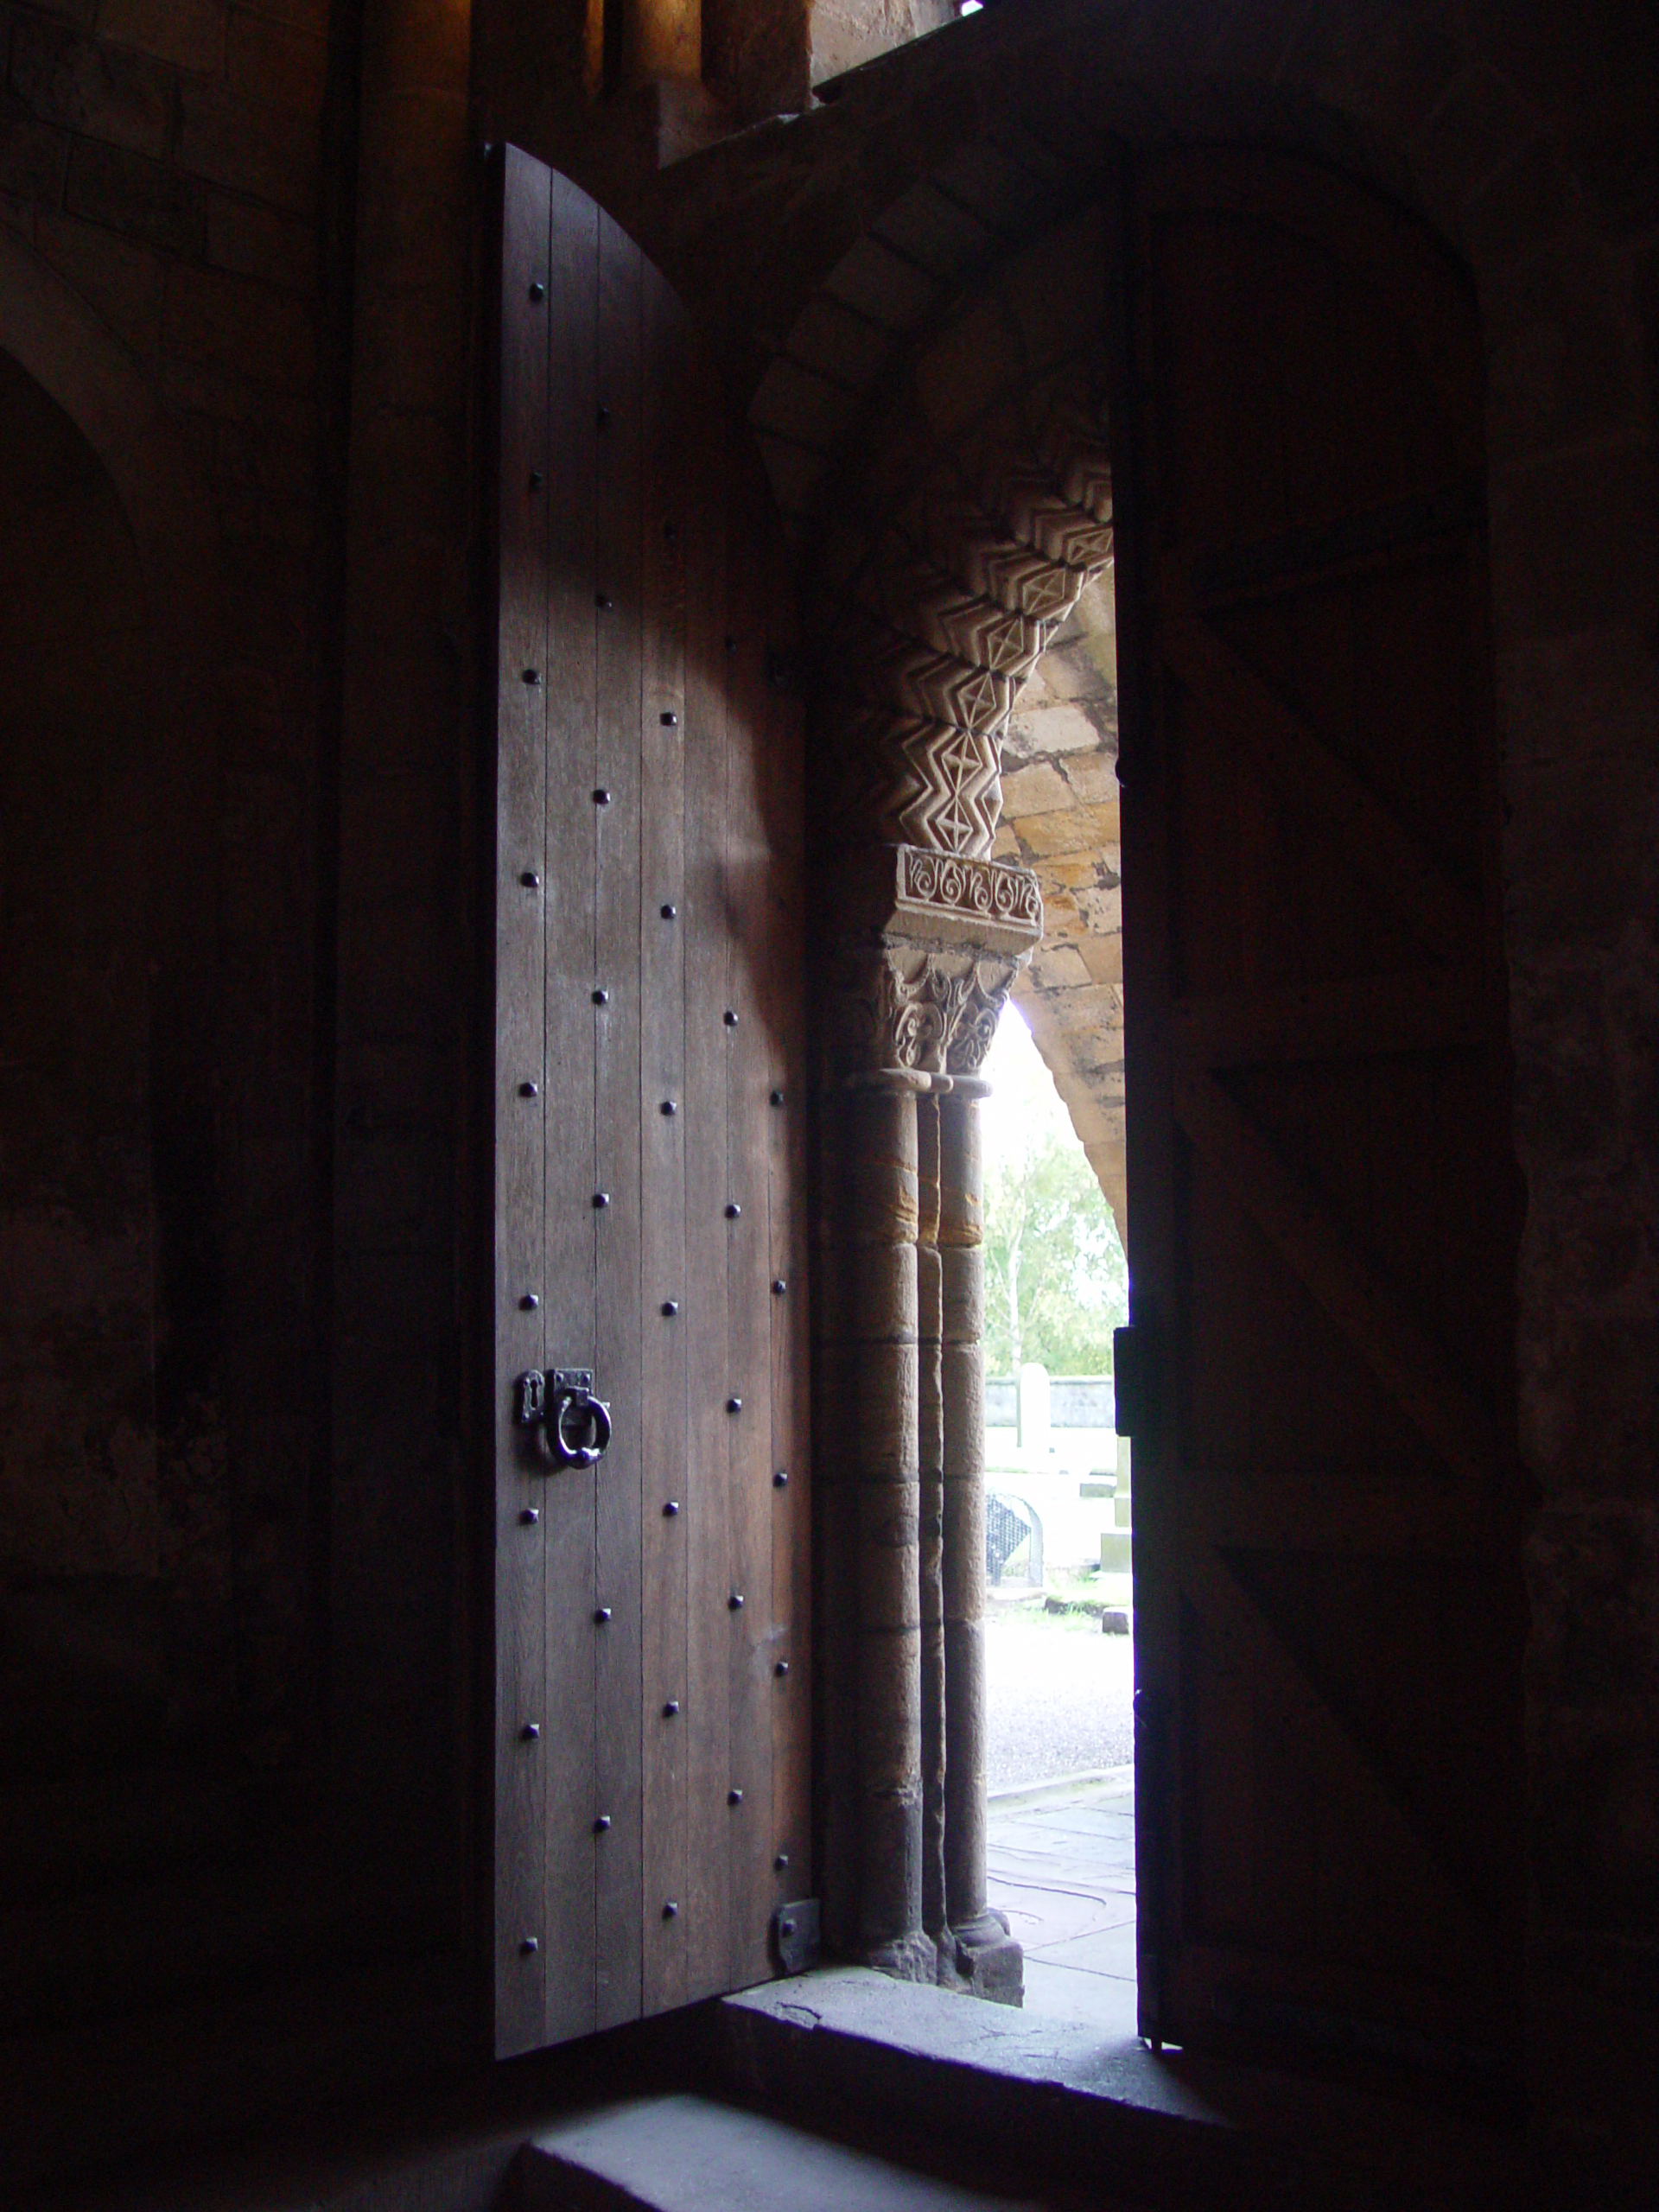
point(967, 568)
point(965, 626)
point(977, 515)
point(64, 348)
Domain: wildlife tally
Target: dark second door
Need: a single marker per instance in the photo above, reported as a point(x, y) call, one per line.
point(651, 1609)
point(1322, 1197)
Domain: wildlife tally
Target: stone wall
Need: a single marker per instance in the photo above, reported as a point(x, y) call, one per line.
point(1061, 818)
point(172, 284)
point(164, 164)
point(846, 33)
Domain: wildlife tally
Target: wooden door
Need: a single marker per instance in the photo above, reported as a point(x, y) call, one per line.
point(651, 1610)
point(1322, 1198)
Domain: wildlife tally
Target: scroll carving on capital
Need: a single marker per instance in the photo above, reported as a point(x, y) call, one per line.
point(931, 946)
point(968, 890)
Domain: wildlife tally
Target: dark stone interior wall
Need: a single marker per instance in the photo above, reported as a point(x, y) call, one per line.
point(206, 176)
point(170, 186)
point(105, 1657)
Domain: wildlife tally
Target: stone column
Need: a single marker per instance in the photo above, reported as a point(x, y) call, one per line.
point(987, 1958)
point(883, 1199)
point(931, 1411)
point(917, 970)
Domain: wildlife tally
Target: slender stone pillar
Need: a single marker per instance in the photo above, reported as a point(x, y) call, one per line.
point(987, 1957)
point(930, 1423)
point(916, 964)
point(883, 1416)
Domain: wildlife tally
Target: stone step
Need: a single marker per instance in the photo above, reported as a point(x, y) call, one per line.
point(686, 2153)
point(1084, 2111)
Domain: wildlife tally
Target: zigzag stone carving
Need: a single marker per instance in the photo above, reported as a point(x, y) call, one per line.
point(921, 654)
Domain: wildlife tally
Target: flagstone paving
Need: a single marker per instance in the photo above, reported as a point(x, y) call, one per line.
point(1061, 1864)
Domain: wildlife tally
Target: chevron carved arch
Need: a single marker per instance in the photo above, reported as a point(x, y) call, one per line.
point(981, 508)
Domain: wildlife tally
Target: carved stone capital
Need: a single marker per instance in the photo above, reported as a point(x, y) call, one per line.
point(902, 1010)
point(926, 949)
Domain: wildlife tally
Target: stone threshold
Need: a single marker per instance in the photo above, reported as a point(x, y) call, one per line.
point(1091, 2121)
point(1088, 1782)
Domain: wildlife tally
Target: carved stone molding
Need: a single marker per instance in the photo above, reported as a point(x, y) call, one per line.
point(964, 894)
point(933, 625)
point(929, 898)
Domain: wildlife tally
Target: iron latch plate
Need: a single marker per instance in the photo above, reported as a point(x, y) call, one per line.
point(795, 1935)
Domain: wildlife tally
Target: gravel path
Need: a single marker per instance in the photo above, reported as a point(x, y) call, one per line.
point(1057, 1698)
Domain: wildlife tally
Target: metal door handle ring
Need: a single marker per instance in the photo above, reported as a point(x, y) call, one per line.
point(579, 1430)
point(572, 1427)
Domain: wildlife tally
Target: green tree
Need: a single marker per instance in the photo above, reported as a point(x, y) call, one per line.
point(1056, 1284)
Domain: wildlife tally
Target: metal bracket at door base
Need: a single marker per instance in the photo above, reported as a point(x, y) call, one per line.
point(795, 1935)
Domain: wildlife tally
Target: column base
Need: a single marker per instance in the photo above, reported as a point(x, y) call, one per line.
point(906, 1958)
point(989, 1963)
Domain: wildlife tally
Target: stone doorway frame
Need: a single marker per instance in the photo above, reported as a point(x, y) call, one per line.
point(981, 512)
point(968, 508)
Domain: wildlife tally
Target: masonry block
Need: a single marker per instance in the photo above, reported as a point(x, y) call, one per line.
point(249, 240)
point(275, 62)
point(91, 88)
point(33, 156)
point(122, 280)
point(125, 191)
point(247, 146)
point(880, 285)
point(189, 32)
point(837, 343)
point(232, 324)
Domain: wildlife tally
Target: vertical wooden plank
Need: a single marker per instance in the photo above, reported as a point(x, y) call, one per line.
point(614, 803)
point(571, 1173)
point(521, 692)
point(783, 803)
point(1144, 491)
point(752, 951)
point(710, 1587)
point(668, 522)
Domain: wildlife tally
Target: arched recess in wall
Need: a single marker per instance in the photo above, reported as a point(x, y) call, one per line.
point(110, 1526)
